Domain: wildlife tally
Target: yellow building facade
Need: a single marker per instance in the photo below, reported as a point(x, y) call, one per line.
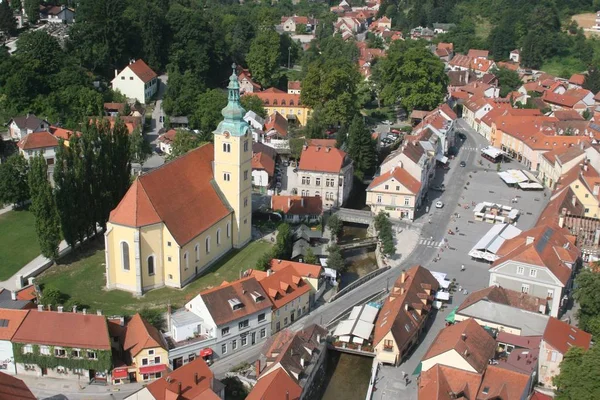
point(177, 220)
point(287, 104)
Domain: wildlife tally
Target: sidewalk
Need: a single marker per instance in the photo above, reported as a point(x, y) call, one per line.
point(6, 209)
point(73, 390)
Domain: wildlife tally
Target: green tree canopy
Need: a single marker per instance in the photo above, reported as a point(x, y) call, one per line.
point(14, 188)
point(336, 226)
point(208, 112)
point(284, 242)
point(587, 294)
point(361, 148)
point(579, 377)
point(154, 317)
point(140, 147)
point(264, 56)
point(8, 23)
point(253, 103)
point(184, 141)
point(508, 80)
point(335, 260)
point(592, 80)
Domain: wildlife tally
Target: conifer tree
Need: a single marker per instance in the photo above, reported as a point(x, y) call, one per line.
point(361, 147)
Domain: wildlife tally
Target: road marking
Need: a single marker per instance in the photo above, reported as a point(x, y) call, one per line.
point(429, 243)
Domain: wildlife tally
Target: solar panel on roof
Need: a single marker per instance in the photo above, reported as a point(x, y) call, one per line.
point(541, 244)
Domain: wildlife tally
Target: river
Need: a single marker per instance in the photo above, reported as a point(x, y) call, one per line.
point(347, 376)
point(360, 261)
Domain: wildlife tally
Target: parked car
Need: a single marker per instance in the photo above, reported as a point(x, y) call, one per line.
point(439, 204)
point(463, 164)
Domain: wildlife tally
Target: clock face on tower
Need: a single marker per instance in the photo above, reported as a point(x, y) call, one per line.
point(226, 135)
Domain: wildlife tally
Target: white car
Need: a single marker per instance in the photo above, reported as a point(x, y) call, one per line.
point(439, 204)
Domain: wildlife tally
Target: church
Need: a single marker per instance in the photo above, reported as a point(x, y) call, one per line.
point(177, 220)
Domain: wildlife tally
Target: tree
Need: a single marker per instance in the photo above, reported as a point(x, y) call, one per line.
point(253, 103)
point(310, 257)
point(263, 57)
point(385, 234)
point(361, 147)
point(508, 80)
point(154, 317)
point(234, 388)
point(592, 80)
point(301, 29)
point(43, 207)
point(8, 23)
point(208, 112)
point(264, 261)
point(140, 148)
point(184, 141)
point(335, 260)
point(579, 375)
point(411, 76)
point(587, 295)
point(296, 145)
point(51, 296)
point(336, 226)
point(41, 50)
point(284, 242)
point(13, 180)
point(32, 10)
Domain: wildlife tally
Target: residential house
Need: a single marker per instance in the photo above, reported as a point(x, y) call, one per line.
point(263, 165)
point(276, 386)
point(12, 388)
point(145, 353)
point(558, 338)
point(564, 102)
point(80, 339)
point(404, 314)
point(349, 24)
point(235, 315)
point(247, 85)
point(294, 87)
point(488, 120)
point(465, 345)
point(504, 383)
point(290, 295)
point(458, 79)
point(10, 320)
point(19, 127)
point(515, 56)
point(136, 81)
point(479, 65)
point(326, 172)
point(442, 382)
point(276, 132)
point(441, 122)
point(541, 262)
point(584, 181)
point(554, 163)
point(476, 108)
point(156, 237)
point(191, 382)
point(288, 105)
point(39, 143)
point(166, 140)
point(576, 81)
point(179, 122)
point(291, 24)
point(114, 109)
point(444, 51)
point(23, 299)
point(298, 209)
point(395, 192)
point(309, 272)
point(505, 310)
point(56, 14)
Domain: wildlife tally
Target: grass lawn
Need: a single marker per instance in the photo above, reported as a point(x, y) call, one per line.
point(81, 278)
point(483, 27)
point(18, 242)
point(563, 67)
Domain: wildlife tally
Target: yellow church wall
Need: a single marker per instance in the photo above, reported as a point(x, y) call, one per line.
point(120, 278)
point(150, 245)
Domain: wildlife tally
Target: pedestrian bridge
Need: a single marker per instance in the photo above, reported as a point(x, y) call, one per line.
point(355, 216)
point(366, 242)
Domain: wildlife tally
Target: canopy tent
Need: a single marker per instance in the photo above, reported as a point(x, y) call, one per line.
point(491, 242)
point(441, 278)
point(445, 296)
point(441, 158)
point(530, 186)
point(513, 176)
point(359, 325)
point(492, 151)
point(452, 315)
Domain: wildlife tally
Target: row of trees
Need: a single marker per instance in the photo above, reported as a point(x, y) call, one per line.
point(385, 234)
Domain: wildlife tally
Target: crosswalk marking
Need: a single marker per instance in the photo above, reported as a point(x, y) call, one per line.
point(429, 243)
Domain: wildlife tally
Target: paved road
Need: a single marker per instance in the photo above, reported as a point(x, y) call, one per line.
point(155, 159)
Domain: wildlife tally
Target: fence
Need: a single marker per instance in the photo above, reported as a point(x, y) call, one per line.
point(359, 282)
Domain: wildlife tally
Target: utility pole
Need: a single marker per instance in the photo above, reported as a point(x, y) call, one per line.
point(387, 284)
point(289, 55)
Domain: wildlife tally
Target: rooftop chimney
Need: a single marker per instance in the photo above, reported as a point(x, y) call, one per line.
point(574, 200)
point(98, 312)
point(402, 290)
point(269, 272)
point(302, 362)
point(49, 307)
point(257, 368)
point(59, 309)
point(319, 338)
point(289, 202)
point(13, 295)
point(464, 337)
point(74, 308)
point(195, 378)
point(179, 388)
point(403, 277)
point(116, 72)
point(327, 149)
point(84, 311)
point(405, 306)
point(529, 240)
point(40, 307)
point(302, 201)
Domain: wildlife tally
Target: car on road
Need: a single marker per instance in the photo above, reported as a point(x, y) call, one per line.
point(439, 204)
point(463, 164)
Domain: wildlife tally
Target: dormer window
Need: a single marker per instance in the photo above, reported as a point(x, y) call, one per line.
point(283, 102)
point(257, 297)
point(235, 304)
point(274, 102)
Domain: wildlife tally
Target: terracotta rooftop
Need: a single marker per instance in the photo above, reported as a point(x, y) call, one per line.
point(274, 97)
point(322, 159)
point(85, 331)
point(294, 85)
point(12, 388)
point(166, 388)
point(502, 383)
point(263, 162)
point(469, 340)
point(142, 70)
point(246, 292)
point(140, 335)
point(298, 205)
point(396, 174)
point(10, 320)
point(284, 286)
point(562, 336)
point(278, 123)
point(38, 140)
point(474, 53)
point(562, 100)
point(173, 194)
point(441, 381)
point(62, 133)
point(407, 305)
point(500, 295)
point(277, 385)
point(568, 115)
point(305, 270)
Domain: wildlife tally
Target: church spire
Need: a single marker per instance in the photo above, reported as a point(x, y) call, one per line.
point(234, 110)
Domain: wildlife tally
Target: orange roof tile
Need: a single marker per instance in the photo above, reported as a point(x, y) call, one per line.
point(562, 336)
point(38, 140)
point(278, 123)
point(140, 335)
point(505, 384)
point(86, 331)
point(27, 294)
point(563, 100)
point(161, 389)
point(468, 339)
point(400, 175)
point(62, 133)
point(294, 85)
point(12, 388)
point(305, 270)
point(322, 159)
point(277, 385)
point(142, 70)
point(500, 295)
point(13, 319)
point(298, 205)
point(284, 286)
point(274, 97)
point(173, 194)
point(577, 79)
point(474, 53)
point(262, 161)
point(441, 381)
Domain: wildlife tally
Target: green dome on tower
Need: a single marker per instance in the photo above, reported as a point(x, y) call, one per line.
point(233, 113)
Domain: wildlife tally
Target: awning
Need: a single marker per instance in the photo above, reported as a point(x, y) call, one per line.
point(441, 158)
point(417, 370)
point(152, 369)
point(119, 373)
point(206, 352)
point(452, 315)
point(442, 296)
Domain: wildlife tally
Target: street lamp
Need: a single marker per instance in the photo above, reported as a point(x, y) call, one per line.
point(289, 55)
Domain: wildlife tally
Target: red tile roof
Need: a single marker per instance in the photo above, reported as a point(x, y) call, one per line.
point(262, 161)
point(27, 294)
point(500, 295)
point(298, 205)
point(541, 396)
point(474, 53)
point(562, 336)
point(118, 107)
point(38, 140)
point(562, 100)
point(140, 335)
point(410, 293)
point(142, 70)
point(62, 133)
point(173, 194)
point(469, 340)
point(277, 122)
point(85, 331)
point(191, 389)
point(400, 175)
point(284, 286)
point(568, 115)
point(14, 319)
point(294, 85)
point(277, 385)
point(441, 381)
point(278, 98)
point(168, 137)
point(12, 388)
point(505, 384)
point(217, 300)
point(322, 159)
point(305, 270)
point(577, 79)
